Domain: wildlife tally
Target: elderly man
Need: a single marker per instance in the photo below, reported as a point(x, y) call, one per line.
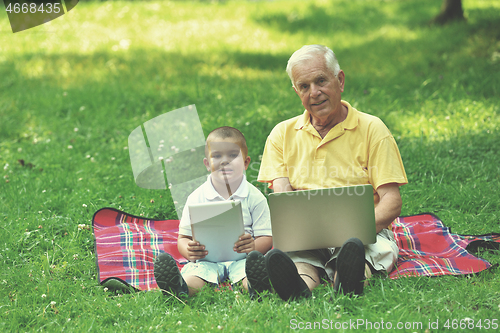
point(354, 148)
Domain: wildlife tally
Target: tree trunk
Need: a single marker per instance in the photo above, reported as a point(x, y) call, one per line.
point(451, 10)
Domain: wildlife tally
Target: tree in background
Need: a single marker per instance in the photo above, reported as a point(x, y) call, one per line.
point(451, 10)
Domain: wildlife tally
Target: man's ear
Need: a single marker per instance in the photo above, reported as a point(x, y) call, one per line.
point(341, 78)
point(207, 164)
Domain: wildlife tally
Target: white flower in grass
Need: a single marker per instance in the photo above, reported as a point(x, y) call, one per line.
point(6, 166)
point(113, 158)
point(53, 303)
point(179, 322)
point(75, 129)
point(125, 148)
point(106, 289)
point(19, 149)
point(119, 305)
point(44, 191)
point(88, 156)
point(44, 296)
point(84, 205)
point(82, 108)
point(70, 147)
point(92, 159)
point(220, 327)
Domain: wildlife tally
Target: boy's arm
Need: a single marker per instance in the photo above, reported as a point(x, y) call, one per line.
point(190, 249)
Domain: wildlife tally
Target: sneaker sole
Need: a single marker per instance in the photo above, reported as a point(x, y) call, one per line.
point(351, 267)
point(284, 276)
point(256, 272)
point(167, 275)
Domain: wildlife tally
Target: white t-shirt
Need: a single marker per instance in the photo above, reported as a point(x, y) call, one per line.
point(256, 216)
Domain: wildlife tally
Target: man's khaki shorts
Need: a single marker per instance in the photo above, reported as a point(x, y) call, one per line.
point(381, 256)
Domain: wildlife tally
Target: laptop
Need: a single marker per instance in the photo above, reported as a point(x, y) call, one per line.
point(322, 218)
point(218, 225)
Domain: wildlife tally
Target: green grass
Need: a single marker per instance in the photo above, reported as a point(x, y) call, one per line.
point(87, 79)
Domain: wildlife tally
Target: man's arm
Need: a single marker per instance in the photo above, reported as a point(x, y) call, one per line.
point(389, 206)
point(282, 185)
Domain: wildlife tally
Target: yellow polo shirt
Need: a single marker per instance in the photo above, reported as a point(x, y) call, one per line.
point(359, 150)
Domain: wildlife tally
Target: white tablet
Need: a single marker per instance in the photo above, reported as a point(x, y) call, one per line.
point(218, 225)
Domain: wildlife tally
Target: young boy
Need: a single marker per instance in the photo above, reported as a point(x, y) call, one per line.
point(226, 157)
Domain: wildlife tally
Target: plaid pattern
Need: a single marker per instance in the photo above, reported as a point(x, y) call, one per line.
point(428, 248)
point(126, 246)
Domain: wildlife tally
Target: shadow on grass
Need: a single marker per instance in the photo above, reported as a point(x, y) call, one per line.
point(354, 17)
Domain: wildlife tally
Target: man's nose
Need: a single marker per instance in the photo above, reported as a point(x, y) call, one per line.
point(315, 90)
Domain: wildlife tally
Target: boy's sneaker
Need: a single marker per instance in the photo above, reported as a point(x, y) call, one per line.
point(257, 277)
point(168, 277)
point(284, 276)
point(350, 267)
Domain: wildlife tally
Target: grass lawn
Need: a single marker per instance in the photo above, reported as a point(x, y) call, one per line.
point(72, 90)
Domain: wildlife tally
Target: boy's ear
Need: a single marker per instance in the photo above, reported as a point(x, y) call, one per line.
point(207, 164)
point(247, 162)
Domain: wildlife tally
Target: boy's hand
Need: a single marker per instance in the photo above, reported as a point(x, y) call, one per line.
point(245, 244)
point(195, 250)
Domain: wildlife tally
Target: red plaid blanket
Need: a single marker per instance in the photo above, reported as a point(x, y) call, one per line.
point(126, 246)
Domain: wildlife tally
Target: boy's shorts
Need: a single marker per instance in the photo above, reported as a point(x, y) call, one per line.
point(381, 256)
point(216, 272)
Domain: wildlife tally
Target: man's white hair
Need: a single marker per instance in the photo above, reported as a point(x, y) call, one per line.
point(308, 52)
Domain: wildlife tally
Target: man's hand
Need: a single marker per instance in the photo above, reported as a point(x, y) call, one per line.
point(245, 244)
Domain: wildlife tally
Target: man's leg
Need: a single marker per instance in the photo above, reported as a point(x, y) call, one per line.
point(309, 274)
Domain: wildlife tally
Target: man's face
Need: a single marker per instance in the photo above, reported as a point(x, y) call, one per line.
point(226, 162)
point(318, 88)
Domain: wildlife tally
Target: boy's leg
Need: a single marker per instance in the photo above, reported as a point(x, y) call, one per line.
point(197, 274)
point(194, 283)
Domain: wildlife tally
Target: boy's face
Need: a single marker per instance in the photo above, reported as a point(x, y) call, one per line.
point(226, 162)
